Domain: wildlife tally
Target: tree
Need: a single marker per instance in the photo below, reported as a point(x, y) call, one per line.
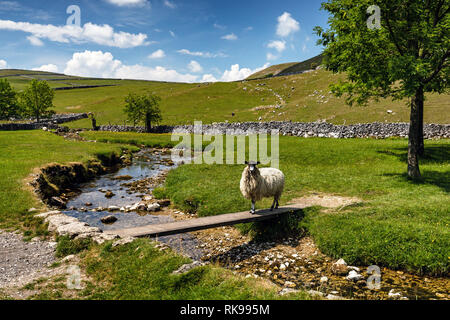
point(37, 99)
point(8, 101)
point(405, 56)
point(143, 108)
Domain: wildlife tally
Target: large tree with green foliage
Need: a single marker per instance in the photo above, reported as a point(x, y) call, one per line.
point(8, 101)
point(143, 108)
point(37, 99)
point(403, 55)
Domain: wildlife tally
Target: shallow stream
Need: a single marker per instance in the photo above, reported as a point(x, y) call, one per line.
point(92, 204)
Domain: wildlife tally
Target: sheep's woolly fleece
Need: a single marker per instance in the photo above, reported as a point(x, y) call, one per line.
point(267, 182)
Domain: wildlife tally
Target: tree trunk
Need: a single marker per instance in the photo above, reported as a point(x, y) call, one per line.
point(414, 135)
point(148, 123)
point(421, 150)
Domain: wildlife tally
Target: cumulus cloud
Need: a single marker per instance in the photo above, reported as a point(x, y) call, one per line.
point(236, 73)
point(47, 68)
point(287, 25)
point(128, 3)
point(280, 46)
point(172, 33)
point(230, 37)
point(99, 34)
point(202, 54)
point(102, 64)
point(170, 4)
point(209, 78)
point(158, 54)
point(195, 67)
point(3, 64)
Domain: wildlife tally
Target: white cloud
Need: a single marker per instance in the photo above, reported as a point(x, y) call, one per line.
point(47, 68)
point(100, 64)
point(172, 33)
point(3, 64)
point(271, 56)
point(280, 46)
point(202, 54)
point(158, 54)
point(209, 78)
point(35, 41)
point(230, 37)
point(248, 28)
point(170, 4)
point(287, 25)
point(236, 73)
point(129, 3)
point(103, 35)
point(195, 67)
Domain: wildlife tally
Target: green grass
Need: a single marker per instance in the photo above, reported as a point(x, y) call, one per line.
point(401, 225)
point(184, 103)
point(23, 151)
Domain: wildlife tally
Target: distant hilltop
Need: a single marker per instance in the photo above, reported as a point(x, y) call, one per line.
point(287, 69)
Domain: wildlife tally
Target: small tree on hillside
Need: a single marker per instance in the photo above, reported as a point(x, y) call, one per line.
point(37, 99)
point(390, 48)
point(143, 108)
point(8, 101)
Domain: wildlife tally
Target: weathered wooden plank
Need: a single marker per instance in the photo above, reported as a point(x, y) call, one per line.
point(159, 230)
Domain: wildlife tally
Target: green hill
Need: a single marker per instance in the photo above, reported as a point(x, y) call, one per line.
point(302, 97)
point(288, 68)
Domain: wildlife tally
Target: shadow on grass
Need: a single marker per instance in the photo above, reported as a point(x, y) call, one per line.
point(433, 155)
point(436, 154)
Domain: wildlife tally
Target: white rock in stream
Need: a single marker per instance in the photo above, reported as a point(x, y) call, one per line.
point(153, 207)
point(354, 276)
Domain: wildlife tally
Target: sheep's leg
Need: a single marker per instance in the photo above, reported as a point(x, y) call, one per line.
point(276, 202)
point(273, 204)
point(252, 211)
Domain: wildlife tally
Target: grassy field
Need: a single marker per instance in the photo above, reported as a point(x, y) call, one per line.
point(401, 224)
point(304, 97)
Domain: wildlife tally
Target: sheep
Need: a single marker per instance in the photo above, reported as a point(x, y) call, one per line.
point(261, 183)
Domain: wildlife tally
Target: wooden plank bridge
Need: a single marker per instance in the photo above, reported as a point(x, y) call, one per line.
point(166, 229)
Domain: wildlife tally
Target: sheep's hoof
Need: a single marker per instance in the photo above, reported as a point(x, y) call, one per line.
point(252, 211)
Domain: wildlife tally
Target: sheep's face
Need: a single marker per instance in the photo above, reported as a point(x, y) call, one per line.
point(252, 167)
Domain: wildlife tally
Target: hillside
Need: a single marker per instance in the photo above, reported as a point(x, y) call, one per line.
point(302, 97)
point(287, 68)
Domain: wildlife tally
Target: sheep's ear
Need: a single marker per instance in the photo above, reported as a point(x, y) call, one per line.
point(258, 162)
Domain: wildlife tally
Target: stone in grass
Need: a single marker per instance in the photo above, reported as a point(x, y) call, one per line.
point(48, 214)
point(123, 241)
point(164, 202)
point(108, 219)
point(187, 267)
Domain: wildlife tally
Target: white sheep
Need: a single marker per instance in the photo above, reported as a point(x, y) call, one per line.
point(261, 183)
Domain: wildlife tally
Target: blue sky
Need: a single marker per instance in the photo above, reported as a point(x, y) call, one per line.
point(171, 40)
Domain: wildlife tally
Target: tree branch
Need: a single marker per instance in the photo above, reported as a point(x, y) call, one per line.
point(439, 68)
point(397, 45)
